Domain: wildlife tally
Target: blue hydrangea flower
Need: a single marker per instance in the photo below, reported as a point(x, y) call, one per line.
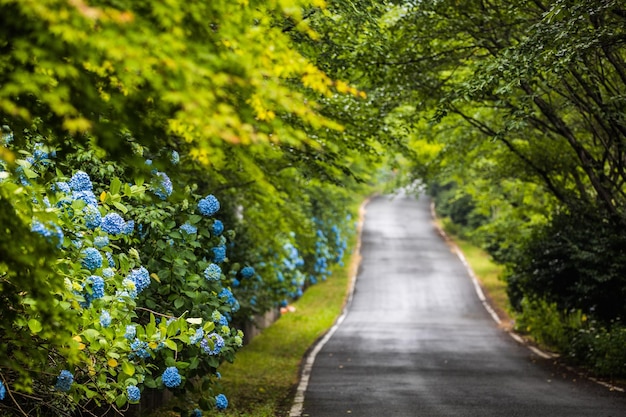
point(3, 391)
point(236, 282)
point(129, 228)
point(97, 286)
point(131, 332)
point(149, 162)
point(139, 349)
point(213, 272)
point(64, 381)
point(163, 188)
point(62, 186)
point(80, 181)
point(223, 321)
point(51, 231)
point(196, 337)
point(91, 259)
point(175, 159)
point(171, 378)
point(87, 196)
point(209, 205)
point(110, 260)
point(92, 216)
point(189, 229)
point(218, 228)
point(113, 223)
point(131, 288)
point(108, 273)
point(247, 272)
point(105, 318)
point(221, 402)
point(218, 344)
point(141, 278)
point(230, 298)
point(100, 241)
point(133, 393)
point(219, 254)
point(196, 412)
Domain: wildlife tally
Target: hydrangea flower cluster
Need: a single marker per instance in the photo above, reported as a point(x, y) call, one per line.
point(64, 381)
point(113, 224)
point(230, 299)
point(218, 344)
point(133, 393)
point(247, 272)
point(62, 186)
point(105, 318)
point(217, 228)
point(196, 412)
point(198, 335)
point(80, 181)
point(213, 272)
point(91, 259)
point(219, 254)
point(97, 286)
point(101, 241)
point(140, 277)
point(3, 391)
point(92, 216)
point(140, 349)
point(209, 205)
point(221, 402)
point(171, 378)
point(51, 231)
point(129, 227)
point(219, 318)
point(131, 332)
point(189, 229)
point(163, 187)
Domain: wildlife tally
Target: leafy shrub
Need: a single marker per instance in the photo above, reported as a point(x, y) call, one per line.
point(578, 262)
point(580, 340)
point(601, 348)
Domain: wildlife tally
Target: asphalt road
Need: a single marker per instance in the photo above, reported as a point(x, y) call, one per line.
point(416, 341)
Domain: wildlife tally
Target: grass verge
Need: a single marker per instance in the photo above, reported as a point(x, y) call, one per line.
point(488, 273)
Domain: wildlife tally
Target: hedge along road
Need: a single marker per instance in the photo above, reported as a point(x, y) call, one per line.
point(416, 340)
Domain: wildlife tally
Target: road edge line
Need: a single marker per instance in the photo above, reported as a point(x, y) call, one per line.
point(480, 293)
point(305, 374)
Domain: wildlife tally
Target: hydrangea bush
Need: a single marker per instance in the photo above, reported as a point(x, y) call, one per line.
point(125, 333)
point(145, 281)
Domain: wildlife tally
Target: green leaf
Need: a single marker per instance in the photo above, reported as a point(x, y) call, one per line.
point(121, 207)
point(128, 368)
point(91, 335)
point(116, 185)
point(171, 344)
point(179, 302)
point(34, 326)
point(120, 400)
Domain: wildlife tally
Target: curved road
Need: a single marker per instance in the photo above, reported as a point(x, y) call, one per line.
point(416, 341)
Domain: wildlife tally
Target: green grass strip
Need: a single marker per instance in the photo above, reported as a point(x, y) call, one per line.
point(488, 273)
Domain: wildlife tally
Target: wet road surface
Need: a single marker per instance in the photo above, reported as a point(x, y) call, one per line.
point(416, 341)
